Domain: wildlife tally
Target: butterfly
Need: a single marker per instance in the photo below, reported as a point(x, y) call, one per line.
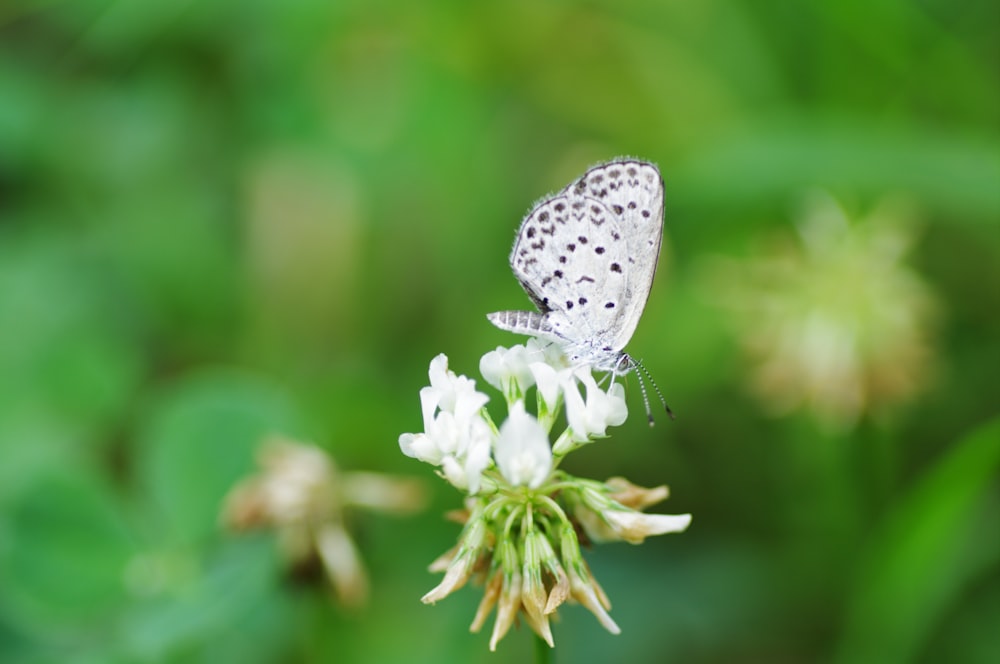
point(586, 257)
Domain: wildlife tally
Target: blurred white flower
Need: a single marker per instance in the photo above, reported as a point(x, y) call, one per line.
point(301, 494)
point(838, 322)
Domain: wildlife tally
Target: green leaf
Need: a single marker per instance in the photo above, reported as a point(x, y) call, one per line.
point(200, 440)
point(68, 359)
point(948, 172)
point(236, 586)
point(931, 546)
point(65, 552)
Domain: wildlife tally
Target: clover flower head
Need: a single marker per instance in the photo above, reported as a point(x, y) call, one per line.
point(834, 320)
point(508, 370)
point(302, 495)
point(522, 512)
point(456, 436)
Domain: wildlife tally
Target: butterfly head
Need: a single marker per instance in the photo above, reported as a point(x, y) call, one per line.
point(618, 363)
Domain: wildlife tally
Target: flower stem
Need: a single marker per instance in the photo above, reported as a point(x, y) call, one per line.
point(543, 653)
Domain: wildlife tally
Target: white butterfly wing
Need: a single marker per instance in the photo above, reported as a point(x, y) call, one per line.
point(570, 257)
point(587, 256)
point(633, 192)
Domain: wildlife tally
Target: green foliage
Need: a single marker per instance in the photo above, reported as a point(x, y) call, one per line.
point(943, 533)
point(221, 220)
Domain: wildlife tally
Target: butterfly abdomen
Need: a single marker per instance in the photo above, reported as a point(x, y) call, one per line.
point(522, 322)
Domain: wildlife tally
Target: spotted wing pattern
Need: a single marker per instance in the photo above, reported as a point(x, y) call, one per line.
point(586, 257)
point(633, 191)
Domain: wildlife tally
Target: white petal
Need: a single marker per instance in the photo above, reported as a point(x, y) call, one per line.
point(477, 456)
point(503, 365)
point(448, 387)
point(492, 368)
point(454, 472)
point(597, 528)
point(552, 354)
point(601, 409)
point(522, 452)
point(428, 404)
point(420, 446)
point(445, 433)
point(468, 402)
point(342, 563)
point(438, 372)
point(605, 409)
point(636, 526)
point(576, 412)
point(548, 380)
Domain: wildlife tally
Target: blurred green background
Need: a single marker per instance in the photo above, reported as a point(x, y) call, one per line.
point(221, 218)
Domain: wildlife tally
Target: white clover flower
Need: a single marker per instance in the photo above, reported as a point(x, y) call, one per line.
point(551, 382)
point(452, 393)
point(522, 450)
point(634, 527)
point(833, 321)
point(302, 495)
point(455, 437)
point(550, 353)
point(589, 417)
point(507, 370)
point(605, 519)
point(465, 469)
point(602, 409)
point(520, 529)
point(520, 535)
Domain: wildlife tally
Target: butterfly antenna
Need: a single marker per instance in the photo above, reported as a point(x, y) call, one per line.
point(656, 388)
